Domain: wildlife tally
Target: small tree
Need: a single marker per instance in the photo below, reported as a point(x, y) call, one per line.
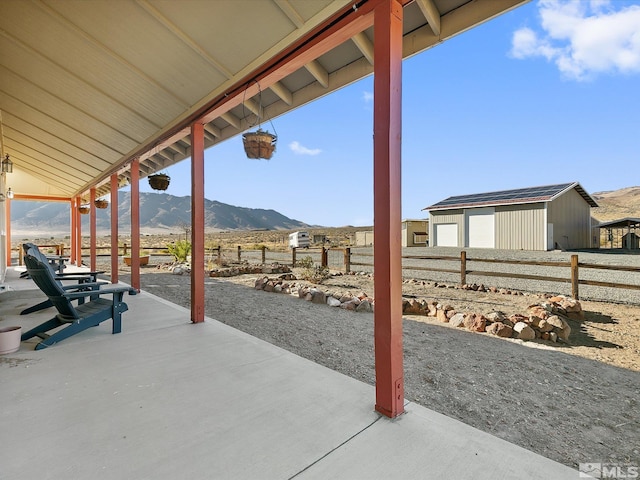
point(180, 250)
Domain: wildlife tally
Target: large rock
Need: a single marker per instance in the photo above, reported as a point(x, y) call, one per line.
point(500, 329)
point(365, 306)
point(564, 332)
point(457, 320)
point(318, 296)
point(479, 323)
point(524, 331)
point(555, 321)
point(333, 302)
point(412, 307)
point(496, 316)
point(442, 315)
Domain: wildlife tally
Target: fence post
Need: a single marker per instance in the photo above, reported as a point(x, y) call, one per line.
point(20, 250)
point(124, 248)
point(324, 259)
point(219, 255)
point(293, 257)
point(347, 260)
point(574, 277)
point(264, 254)
point(463, 267)
point(239, 254)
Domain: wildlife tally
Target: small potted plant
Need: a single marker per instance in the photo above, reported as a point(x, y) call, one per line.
point(101, 203)
point(84, 209)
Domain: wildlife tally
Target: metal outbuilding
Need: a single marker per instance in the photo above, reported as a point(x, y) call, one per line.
point(621, 233)
point(536, 218)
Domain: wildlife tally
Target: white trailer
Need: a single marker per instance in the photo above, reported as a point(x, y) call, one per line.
point(299, 240)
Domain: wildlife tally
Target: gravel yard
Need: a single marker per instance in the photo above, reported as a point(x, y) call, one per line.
point(572, 403)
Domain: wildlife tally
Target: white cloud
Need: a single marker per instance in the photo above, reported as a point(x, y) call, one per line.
point(583, 38)
point(302, 150)
point(367, 97)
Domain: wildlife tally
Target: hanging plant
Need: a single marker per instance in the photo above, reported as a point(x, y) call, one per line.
point(84, 209)
point(259, 144)
point(159, 181)
point(101, 203)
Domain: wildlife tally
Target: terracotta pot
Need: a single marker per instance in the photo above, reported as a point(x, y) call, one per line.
point(144, 260)
point(10, 339)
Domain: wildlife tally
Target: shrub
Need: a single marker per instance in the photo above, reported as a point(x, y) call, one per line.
point(312, 273)
point(180, 250)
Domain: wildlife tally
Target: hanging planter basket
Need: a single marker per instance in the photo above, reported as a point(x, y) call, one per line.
point(259, 144)
point(159, 181)
point(100, 203)
point(84, 209)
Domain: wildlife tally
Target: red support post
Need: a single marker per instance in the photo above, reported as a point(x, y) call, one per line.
point(78, 232)
point(387, 248)
point(197, 223)
point(92, 230)
point(72, 210)
point(114, 228)
point(135, 224)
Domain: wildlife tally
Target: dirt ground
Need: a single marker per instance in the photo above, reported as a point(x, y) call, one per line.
point(572, 403)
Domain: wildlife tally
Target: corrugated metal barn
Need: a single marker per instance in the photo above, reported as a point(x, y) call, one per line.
point(537, 218)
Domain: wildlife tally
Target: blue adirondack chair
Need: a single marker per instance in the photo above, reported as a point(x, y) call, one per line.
point(86, 281)
point(91, 313)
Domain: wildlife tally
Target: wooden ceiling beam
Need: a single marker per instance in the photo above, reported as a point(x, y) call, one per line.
point(364, 45)
point(283, 92)
point(431, 13)
point(318, 72)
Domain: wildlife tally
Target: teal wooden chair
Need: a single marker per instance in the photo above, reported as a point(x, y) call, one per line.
point(85, 281)
point(91, 313)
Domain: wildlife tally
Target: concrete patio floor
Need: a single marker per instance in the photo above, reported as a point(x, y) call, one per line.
point(166, 399)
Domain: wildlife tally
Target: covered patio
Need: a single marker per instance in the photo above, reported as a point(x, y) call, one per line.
point(167, 399)
point(97, 95)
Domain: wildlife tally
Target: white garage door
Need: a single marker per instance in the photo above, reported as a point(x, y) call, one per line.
point(481, 228)
point(447, 235)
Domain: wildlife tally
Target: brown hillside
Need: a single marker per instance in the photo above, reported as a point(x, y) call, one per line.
point(617, 204)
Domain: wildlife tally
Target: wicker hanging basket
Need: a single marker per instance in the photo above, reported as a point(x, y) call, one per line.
point(101, 203)
point(159, 181)
point(84, 209)
point(259, 144)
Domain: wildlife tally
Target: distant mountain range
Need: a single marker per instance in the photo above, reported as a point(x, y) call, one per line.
point(159, 212)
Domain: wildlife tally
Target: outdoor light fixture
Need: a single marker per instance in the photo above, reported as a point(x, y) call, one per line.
point(9, 193)
point(7, 165)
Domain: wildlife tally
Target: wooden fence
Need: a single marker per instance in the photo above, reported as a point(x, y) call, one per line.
point(322, 256)
point(574, 265)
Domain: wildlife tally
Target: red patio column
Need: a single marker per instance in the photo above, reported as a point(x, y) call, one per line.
point(197, 223)
point(135, 223)
point(78, 232)
point(72, 238)
point(387, 249)
point(7, 213)
point(92, 229)
point(114, 228)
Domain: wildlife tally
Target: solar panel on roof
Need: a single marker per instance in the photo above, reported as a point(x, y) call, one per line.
point(545, 191)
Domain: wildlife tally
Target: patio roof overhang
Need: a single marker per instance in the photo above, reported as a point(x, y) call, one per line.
point(86, 87)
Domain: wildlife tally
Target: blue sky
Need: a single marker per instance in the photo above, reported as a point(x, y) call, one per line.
point(548, 93)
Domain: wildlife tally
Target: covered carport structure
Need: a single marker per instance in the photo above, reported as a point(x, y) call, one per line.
point(97, 95)
point(621, 233)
